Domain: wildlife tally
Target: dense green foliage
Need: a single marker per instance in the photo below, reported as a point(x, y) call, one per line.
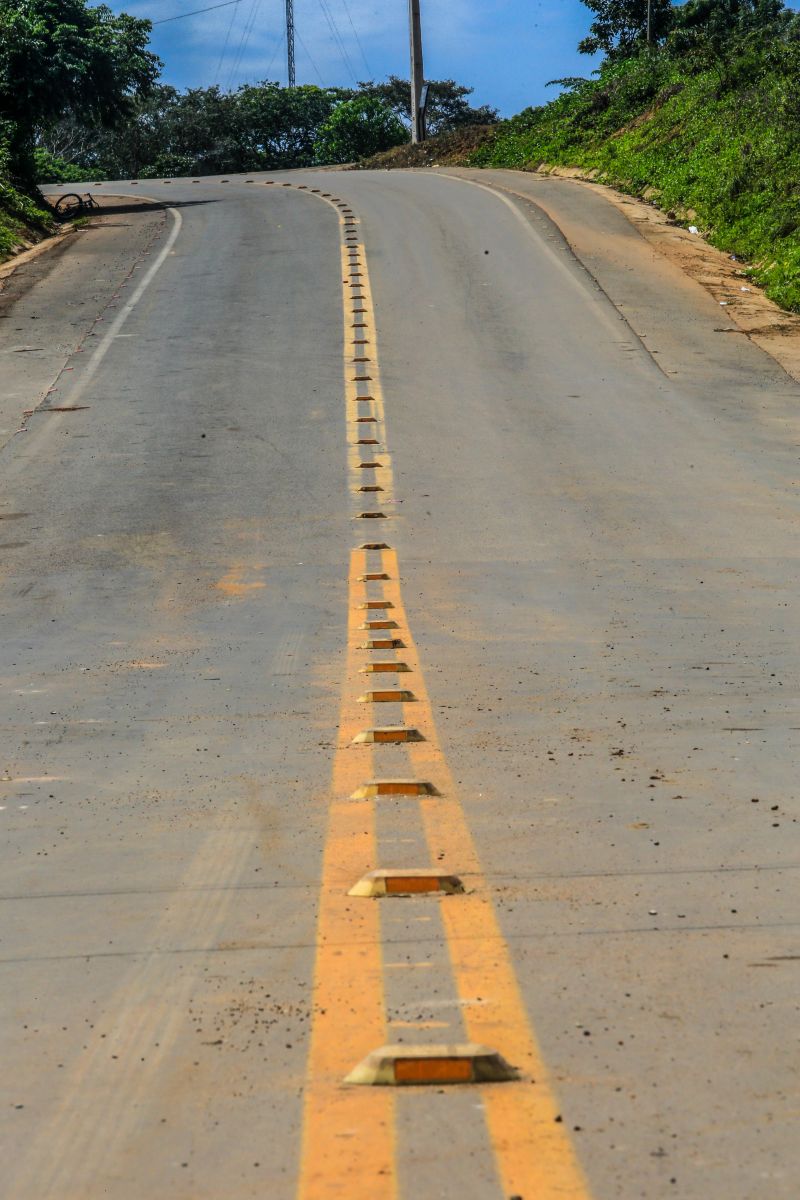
point(708, 122)
point(64, 58)
point(259, 127)
point(80, 100)
point(447, 109)
point(19, 215)
point(357, 128)
point(619, 25)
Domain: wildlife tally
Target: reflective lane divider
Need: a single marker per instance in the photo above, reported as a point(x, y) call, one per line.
point(398, 1065)
point(346, 1136)
point(388, 733)
point(349, 1144)
point(534, 1153)
point(407, 883)
point(395, 787)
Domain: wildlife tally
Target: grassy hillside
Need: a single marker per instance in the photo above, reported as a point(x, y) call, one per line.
point(714, 138)
point(446, 149)
point(22, 222)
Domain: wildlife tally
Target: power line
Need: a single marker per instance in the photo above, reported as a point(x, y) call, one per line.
point(358, 39)
point(196, 11)
point(275, 52)
point(225, 45)
point(310, 59)
point(341, 42)
point(243, 40)
point(337, 37)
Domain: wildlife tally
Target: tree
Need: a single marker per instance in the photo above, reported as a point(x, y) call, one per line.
point(713, 21)
point(447, 104)
point(620, 26)
point(357, 128)
point(62, 58)
point(278, 126)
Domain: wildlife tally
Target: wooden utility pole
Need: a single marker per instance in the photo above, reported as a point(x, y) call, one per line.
point(417, 72)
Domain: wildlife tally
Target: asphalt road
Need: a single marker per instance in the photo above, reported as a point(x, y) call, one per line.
point(588, 500)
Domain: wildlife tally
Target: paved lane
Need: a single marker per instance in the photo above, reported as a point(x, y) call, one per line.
point(591, 568)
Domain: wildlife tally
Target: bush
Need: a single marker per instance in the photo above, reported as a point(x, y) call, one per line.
point(717, 136)
point(19, 215)
point(51, 169)
point(358, 128)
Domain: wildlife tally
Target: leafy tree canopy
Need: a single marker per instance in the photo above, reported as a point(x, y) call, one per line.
point(619, 27)
point(357, 128)
point(448, 107)
point(62, 58)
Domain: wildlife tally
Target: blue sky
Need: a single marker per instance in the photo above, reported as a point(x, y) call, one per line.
point(506, 49)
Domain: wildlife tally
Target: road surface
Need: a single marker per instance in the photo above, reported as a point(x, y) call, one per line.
point(577, 641)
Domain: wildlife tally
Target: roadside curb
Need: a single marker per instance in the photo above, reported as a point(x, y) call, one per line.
point(772, 329)
point(49, 243)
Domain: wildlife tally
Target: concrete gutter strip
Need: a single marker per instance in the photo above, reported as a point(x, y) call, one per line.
point(49, 243)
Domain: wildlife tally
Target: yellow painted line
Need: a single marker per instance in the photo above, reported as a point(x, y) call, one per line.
point(353, 389)
point(348, 1143)
point(348, 1135)
point(534, 1153)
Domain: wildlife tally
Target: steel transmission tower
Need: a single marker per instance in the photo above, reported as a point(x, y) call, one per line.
point(290, 43)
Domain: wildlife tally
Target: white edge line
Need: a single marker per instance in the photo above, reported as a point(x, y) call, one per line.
point(511, 202)
point(122, 316)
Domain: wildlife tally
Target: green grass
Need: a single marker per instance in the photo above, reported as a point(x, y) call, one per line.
point(21, 220)
point(719, 142)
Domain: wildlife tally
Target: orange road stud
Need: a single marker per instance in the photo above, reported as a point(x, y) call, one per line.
point(383, 644)
point(387, 733)
point(396, 1066)
point(388, 667)
point(374, 546)
point(389, 696)
point(372, 575)
point(409, 882)
point(366, 604)
point(394, 787)
point(379, 624)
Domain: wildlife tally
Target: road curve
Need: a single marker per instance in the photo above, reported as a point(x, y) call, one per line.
point(400, 541)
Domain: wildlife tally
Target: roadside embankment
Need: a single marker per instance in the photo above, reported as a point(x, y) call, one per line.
point(453, 149)
point(711, 139)
point(55, 305)
point(23, 223)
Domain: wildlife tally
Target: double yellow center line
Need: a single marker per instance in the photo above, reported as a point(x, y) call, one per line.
point(349, 1131)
